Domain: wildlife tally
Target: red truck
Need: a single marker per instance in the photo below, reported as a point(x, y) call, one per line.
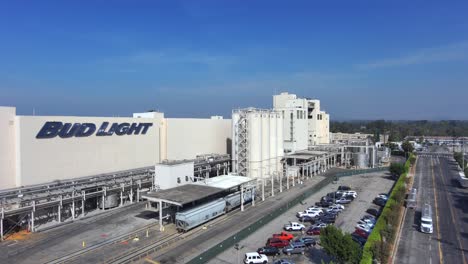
point(284, 236)
point(277, 243)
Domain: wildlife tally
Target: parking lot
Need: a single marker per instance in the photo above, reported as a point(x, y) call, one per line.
point(368, 186)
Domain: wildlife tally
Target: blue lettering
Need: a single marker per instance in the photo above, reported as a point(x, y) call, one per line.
point(122, 129)
point(68, 130)
point(85, 130)
point(49, 130)
point(102, 130)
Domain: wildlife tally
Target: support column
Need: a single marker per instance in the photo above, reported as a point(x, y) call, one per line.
point(253, 190)
point(242, 198)
point(83, 202)
point(131, 191)
point(33, 229)
point(160, 215)
point(287, 180)
point(104, 198)
point(263, 189)
point(59, 211)
point(281, 182)
point(1, 224)
point(272, 186)
point(73, 205)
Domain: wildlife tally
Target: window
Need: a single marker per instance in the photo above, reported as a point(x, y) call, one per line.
point(186, 178)
point(298, 114)
point(178, 179)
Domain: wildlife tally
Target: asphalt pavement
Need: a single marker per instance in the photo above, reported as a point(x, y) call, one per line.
point(435, 179)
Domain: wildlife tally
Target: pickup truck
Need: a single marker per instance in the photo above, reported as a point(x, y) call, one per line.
point(294, 226)
point(284, 236)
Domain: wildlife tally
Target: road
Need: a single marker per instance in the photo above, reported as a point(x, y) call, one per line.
point(435, 179)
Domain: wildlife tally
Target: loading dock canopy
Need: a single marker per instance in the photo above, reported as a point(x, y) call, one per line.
point(225, 181)
point(182, 195)
point(196, 191)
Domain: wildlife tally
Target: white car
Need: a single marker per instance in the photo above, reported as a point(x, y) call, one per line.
point(368, 220)
point(315, 207)
point(339, 206)
point(383, 196)
point(321, 225)
point(336, 208)
point(310, 212)
point(350, 193)
point(364, 228)
point(294, 226)
point(366, 223)
point(254, 258)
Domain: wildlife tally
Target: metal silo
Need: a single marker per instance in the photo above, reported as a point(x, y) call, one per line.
point(265, 143)
point(255, 143)
point(273, 139)
point(279, 141)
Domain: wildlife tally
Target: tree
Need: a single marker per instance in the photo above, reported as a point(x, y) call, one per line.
point(396, 169)
point(340, 246)
point(407, 147)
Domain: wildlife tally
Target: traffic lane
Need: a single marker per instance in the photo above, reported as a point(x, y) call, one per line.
point(415, 246)
point(454, 238)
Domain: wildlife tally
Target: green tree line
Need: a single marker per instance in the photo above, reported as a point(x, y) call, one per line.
point(398, 130)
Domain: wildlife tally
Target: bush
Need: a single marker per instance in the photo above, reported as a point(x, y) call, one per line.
point(340, 246)
point(396, 169)
point(375, 248)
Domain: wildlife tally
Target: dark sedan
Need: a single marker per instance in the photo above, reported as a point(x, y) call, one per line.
point(269, 251)
point(308, 241)
point(373, 212)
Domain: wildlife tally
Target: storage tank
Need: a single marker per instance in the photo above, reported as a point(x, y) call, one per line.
point(255, 143)
point(279, 141)
point(273, 139)
point(361, 160)
point(265, 119)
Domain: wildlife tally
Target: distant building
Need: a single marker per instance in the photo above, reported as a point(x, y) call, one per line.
point(353, 137)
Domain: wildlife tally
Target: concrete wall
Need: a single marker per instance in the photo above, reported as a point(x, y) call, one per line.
point(7, 147)
point(189, 137)
point(170, 176)
point(49, 159)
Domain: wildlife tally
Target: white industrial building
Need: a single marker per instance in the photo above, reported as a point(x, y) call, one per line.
point(41, 149)
point(305, 123)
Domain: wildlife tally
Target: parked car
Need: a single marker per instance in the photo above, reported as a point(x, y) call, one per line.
point(369, 220)
point(269, 251)
point(276, 242)
point(328, 219)
point(295, 248)
point(315, 207)
point(283, 261)
point(338, 206)
point(370, 217)
point(254, 258)
point(358, 239)
point(324, 203)
point(380, 201)
point(294, 226)
point(383, 196)
point(309, 219)
point(284, 236)
point(311, 212)
point(364, 228)
point(308, 241)
point(343, 200)
point(344, 188)
point(333, 211)
point(350, 193)
point(373, 212)
point(361, 233)
point(369, 224)
point(314, 231)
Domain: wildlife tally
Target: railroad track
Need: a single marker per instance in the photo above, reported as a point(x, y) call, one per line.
point(81, 224)
point(118, 239)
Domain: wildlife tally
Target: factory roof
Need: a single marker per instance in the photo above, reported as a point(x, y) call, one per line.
point(225, 181)
point(182, 195)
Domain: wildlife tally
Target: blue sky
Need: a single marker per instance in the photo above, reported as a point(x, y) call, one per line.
point(362, 59)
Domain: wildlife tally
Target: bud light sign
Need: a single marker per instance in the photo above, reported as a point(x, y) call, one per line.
point(68, 130)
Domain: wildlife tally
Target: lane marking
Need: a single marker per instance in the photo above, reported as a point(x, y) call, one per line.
point(151, 261)
point(442, 175)
point(441, 257)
